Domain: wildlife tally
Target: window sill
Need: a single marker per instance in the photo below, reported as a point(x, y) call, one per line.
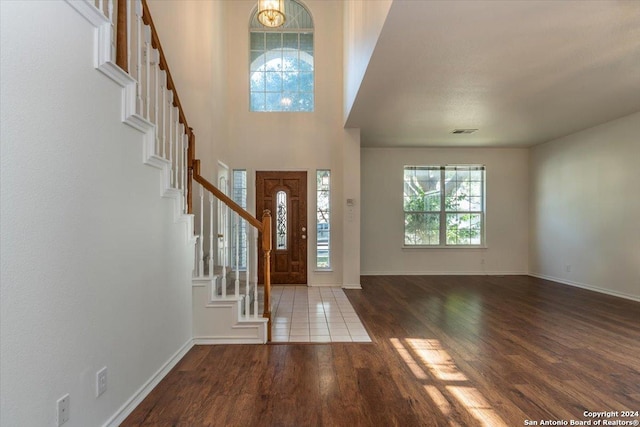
point(324, 270)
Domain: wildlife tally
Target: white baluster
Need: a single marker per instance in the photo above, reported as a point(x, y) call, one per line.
point(195, 257)
point(224, 250)
point(255, 286)
point(247, 287)
point(157, 85)
point(201, 231)
point(185, 174)
point(165, 92)
point(171, 138)
point(237, 237)
point(138, 24)
point(247, 307)
point(211, 265)
point(176, 169)
point(110, 11)
point(147, 70)
point(113, 30)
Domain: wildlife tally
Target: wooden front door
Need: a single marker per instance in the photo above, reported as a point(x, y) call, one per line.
point(285, 195)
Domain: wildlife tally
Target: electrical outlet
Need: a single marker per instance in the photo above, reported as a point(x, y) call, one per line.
point(63, 409)
point(567, 268)
point(482, 261)
point(101, 381)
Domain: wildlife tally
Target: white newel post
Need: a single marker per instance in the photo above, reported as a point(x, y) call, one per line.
point(211, 264)
point(200, 233)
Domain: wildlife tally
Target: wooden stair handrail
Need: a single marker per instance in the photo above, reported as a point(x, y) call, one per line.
point(224, 198)
point(193, 164)
point(155, 42)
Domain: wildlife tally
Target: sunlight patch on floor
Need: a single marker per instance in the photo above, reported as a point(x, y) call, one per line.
point(427, 355)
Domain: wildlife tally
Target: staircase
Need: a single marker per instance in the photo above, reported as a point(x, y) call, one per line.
point(228, 305)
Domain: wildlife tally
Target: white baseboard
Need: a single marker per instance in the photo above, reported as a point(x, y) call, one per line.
point(587, 287)
point(352, 286)
point(226, 340)
point(144, 391)
point(444, 273)
point(323, 285)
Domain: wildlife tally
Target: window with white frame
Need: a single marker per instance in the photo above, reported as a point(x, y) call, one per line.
point(444, 205)
point(323, 222)
point(281, 75)
point(239, 195)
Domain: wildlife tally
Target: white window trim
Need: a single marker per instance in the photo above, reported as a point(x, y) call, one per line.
point(443, 212)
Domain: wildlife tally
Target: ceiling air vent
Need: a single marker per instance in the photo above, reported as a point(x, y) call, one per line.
point(457, 131)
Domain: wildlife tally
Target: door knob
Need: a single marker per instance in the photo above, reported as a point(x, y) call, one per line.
point(304, 229)
point(304, 237)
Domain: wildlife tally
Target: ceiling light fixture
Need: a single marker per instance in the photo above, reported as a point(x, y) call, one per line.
point(271, 13)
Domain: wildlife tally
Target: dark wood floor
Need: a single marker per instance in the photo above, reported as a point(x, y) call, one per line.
point(447, 351)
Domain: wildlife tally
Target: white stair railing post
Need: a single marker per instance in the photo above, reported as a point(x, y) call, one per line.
point(171, 135)
point(113, 30)
point(185, 172)
point(237, 238)
point(138, 52)
point(156, 87)
point(163, 88)
point(200, 233)
point(247, 287)
point(177, 153)
point(211, 234)
point(253, 244)
point(195, 257)
point(147, 70)
point(224, 250)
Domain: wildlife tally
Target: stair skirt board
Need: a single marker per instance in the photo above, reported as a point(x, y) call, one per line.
point(221, 321)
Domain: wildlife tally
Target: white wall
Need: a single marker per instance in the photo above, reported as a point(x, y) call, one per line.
point(270, 141)
point(363, 22)
point(383, 218)
point(297, 141)
point(192, 33)
point(94, 271)
point(585, 208)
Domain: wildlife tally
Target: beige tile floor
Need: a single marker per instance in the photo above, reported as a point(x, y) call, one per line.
point(303, 314)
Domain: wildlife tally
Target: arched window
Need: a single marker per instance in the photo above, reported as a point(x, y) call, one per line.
point(281, 62)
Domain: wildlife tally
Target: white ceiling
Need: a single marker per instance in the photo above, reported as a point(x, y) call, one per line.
point(522, 72)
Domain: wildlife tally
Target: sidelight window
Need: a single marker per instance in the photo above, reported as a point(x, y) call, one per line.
point(323, 223)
